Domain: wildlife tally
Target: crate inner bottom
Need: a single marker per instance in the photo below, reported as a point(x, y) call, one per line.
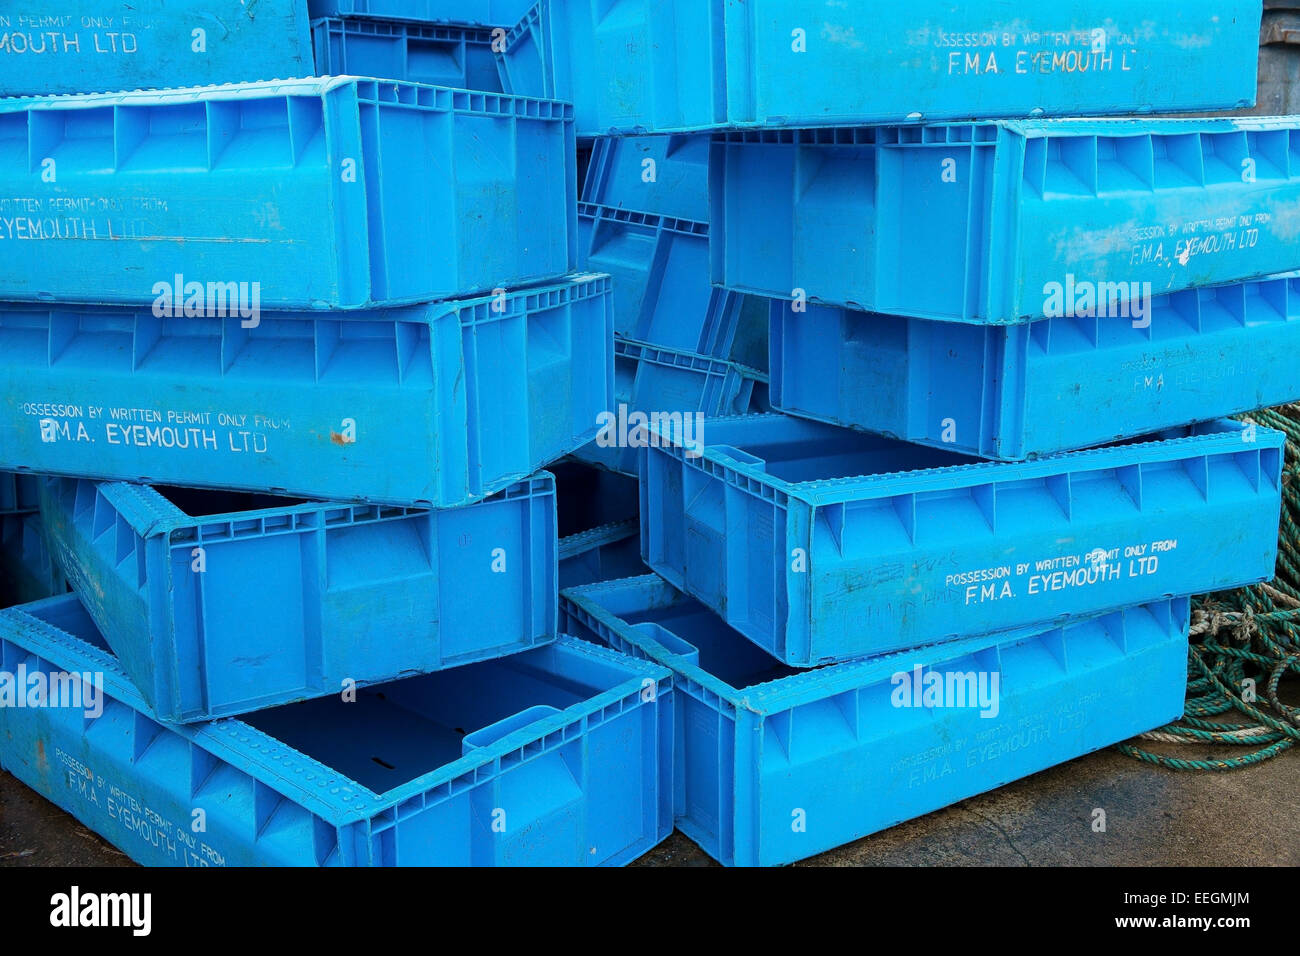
point(724, 653)
point(396, 732)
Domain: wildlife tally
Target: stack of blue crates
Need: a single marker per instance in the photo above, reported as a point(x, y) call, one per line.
point(1001, 349)
point(288, 358)
point(548, 423)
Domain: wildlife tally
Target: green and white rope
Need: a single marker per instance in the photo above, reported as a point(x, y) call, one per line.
point(1252, 634)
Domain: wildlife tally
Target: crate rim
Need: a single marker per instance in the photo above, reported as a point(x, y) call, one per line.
point(596, 211)
point(639, 350)
point(850, 489)
point(579, 543)
point(1158, 300)
point(166, 518)
point(839, 134)
point(311, 86)
point(569, 288)
point(425, 30)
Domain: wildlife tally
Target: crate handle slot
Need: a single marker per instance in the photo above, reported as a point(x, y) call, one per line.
point(738, 456)
point(486, 736)
point(669, 641)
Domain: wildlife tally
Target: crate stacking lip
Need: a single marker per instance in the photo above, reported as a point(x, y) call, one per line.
point(668, 66)
point(19, 493)
point(601, 554)
point(219, 604)
point(561, 747)
point(821, 544)
point(664, 176)
point(849, 745)
point(435, 405)
point(28, 572)
point(435, 54)
point(490, 12)
point(662, 293)
point(326, 193)
point(1000, 223)
point(142, 44)
point(653, 383)
point(1025, 391)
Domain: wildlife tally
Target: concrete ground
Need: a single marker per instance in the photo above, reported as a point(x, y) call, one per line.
point(1154, 818)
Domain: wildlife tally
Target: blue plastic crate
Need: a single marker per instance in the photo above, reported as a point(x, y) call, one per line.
point(661, 284)
point(102, 45)
point(1000, 223)
point(27, 571)
point(650, 381)
point(1014, 392)
point(664, 176)
point(426, 405)
point(822, 544)
point(440, 55)
point(666, 66)
point(499, 12)
point(761, 748)
point(219, 604)
point(556, 756)
point(601, 554)
point(309, 194)
point(18, 493)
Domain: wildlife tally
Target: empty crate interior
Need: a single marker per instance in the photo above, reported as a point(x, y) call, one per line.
point(796, 451)
point(817, 454)
point(724, 653)
point(198, 503)
point(589, 497)
point(69, 615)
point(396, 732)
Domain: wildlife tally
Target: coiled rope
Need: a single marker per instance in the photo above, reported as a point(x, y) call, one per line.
point(1243, 643)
